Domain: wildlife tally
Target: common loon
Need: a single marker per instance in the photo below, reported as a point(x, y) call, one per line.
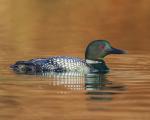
point(93, 62)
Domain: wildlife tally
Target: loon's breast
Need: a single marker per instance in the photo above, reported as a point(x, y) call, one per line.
point(55, 64)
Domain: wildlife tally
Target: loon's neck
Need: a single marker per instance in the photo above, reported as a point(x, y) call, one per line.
point(98, 66)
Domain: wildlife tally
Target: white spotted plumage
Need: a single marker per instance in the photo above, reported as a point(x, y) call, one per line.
point(61, 63)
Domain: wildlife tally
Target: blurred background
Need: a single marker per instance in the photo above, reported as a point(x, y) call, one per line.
point(65, 27)
point(42, 28)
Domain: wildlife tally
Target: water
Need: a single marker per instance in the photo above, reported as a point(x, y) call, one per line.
point(123, 93)
point(32, 29)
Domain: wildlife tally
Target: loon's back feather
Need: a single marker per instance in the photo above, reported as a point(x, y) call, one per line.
point(55, 64)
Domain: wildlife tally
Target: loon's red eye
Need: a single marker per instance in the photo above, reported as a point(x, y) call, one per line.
point(101, 47)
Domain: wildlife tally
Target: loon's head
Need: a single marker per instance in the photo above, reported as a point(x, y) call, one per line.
point(98, 49)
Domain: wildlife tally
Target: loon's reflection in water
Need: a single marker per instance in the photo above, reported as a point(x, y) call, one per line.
point(91, 81)
point(95, 86)
point(70, 80)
